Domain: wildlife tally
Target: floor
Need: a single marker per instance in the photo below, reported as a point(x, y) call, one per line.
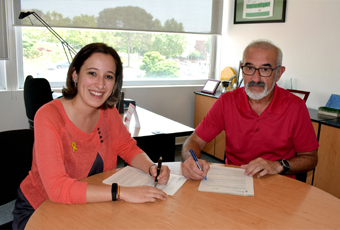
point(207, 157)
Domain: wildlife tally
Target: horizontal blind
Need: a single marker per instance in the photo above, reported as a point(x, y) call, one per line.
point(182, 16)
point(3, 32)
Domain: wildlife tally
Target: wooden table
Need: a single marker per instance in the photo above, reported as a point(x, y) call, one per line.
point(279, 203)
point(157, 134)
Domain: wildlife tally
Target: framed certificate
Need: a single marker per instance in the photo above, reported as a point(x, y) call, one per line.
point(259, 11)
point(210, 86)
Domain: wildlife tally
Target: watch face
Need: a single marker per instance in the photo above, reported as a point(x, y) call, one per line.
point(285, 163)
point(286, 166)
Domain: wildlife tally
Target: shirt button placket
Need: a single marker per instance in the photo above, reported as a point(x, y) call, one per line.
point(100, 137)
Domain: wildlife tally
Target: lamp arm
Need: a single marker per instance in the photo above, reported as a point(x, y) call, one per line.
point(63, 42)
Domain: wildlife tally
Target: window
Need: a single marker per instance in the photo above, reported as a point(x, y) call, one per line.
point(149, 56)
point(2, 75)
point(158, 41)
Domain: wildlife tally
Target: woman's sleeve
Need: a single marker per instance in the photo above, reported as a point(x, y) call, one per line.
point(50, 159)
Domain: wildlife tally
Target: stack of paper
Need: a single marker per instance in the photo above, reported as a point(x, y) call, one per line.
point(227, 180)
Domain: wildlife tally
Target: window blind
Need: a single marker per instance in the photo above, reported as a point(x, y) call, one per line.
point(178, 16)
point(3, 32)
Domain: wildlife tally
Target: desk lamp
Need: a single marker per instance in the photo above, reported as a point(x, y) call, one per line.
point(70, 52)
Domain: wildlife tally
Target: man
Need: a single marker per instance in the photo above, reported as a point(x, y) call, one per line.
point(268, 129)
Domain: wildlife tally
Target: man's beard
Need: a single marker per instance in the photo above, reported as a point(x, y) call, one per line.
point(263, 94)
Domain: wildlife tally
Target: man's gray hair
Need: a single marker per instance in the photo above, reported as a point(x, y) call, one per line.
point(266, 45)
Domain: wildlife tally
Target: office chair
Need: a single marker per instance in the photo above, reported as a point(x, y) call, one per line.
point(37, 92)
point(16, 161)
point(301, 94)
point(120, 104)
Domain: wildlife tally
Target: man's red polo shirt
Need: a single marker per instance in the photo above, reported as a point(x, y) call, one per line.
point(283, 129)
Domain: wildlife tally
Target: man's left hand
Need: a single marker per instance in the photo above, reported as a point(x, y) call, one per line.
point(262, 167)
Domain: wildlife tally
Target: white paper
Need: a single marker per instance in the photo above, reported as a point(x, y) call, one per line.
point(130, 176)
point(137, 124)
point(175, 167)
point(129, 113)
point(210, 85)
point(227, 180)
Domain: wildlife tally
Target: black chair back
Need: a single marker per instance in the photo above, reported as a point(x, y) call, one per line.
point(37, 92)
point(120, 104)
point(16, 161)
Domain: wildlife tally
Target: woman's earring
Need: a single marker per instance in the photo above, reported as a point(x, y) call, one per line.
point(75, 83)
point(112, 92)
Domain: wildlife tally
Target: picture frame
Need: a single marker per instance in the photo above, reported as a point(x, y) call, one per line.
point(259, 11)
point(210, 86)
point(301, 94)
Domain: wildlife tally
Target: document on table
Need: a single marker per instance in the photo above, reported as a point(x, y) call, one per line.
point(130, 176)
point(227, 180)
point(175, 167)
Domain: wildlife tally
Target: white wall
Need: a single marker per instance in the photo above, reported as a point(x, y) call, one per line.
point(309, 40)
point(13, 114)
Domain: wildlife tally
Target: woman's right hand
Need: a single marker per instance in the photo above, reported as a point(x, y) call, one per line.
point(141, 194)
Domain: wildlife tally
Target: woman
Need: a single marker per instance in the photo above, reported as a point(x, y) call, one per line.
point(80, 135)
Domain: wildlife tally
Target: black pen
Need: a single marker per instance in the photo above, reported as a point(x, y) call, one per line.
point(158, 170)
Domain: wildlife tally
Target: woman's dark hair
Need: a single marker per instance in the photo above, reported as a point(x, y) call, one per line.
point(70, 91)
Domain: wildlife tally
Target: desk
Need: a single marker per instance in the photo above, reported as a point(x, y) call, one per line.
point(156, 145)
point(279, 203)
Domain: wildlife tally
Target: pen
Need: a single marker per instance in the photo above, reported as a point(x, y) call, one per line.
point(158, 170)
point(195, 158)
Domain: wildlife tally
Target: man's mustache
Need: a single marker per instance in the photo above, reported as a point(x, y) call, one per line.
point(258, 84)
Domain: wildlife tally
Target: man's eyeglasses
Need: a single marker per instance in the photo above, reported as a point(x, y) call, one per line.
point(263, 71)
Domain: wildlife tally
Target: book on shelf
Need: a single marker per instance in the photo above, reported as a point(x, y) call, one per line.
point(333, 101)
point(323, 110)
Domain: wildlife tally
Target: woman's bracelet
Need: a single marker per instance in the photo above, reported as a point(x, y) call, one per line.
point(114, 191)
point(118, 194)
point(150, 167)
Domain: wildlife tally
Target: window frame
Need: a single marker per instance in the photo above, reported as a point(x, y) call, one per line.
point(3, 31)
